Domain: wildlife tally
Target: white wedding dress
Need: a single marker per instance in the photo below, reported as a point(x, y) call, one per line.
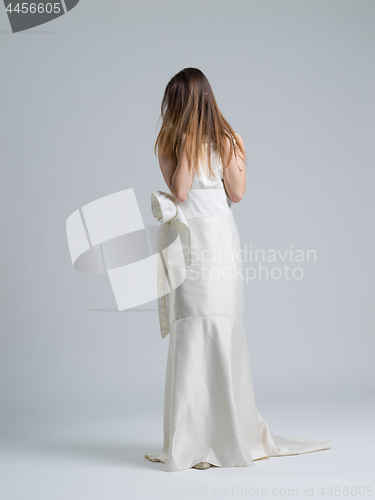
point(210, 414)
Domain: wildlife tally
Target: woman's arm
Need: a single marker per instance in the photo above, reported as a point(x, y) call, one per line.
point(235, 175)
point(178, 178)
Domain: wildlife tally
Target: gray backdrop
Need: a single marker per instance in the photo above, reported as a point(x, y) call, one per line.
point(80, 99)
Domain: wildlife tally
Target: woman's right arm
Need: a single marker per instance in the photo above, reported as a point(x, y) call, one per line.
point(235, 175)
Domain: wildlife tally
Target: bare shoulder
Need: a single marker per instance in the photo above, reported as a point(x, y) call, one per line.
point(237, 137)
point(240, 139)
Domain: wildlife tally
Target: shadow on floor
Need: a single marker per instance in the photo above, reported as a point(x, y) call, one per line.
point(87, 451)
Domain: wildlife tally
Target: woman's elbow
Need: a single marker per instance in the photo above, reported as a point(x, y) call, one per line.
point(180, 196)
point(236, 197)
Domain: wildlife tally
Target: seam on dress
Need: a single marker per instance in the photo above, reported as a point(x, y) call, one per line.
point(207, 189)
point(202, 216)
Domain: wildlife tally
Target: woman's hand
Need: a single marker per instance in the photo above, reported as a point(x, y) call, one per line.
point(235, 174)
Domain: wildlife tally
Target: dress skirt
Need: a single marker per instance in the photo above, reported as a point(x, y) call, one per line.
point(210, 414)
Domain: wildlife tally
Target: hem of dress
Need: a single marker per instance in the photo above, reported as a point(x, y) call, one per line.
point(264, 457)
point(157, 460)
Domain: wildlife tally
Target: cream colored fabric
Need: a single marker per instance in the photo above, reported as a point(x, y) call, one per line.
point(210, 413)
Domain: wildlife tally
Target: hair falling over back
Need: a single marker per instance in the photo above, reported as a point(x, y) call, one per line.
point(191, 118)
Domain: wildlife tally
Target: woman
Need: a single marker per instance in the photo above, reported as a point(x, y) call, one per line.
point(210, 414)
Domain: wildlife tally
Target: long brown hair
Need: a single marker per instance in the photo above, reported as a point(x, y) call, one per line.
point(191, 116)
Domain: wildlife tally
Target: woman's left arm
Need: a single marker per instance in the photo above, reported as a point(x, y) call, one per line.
point(178, 178)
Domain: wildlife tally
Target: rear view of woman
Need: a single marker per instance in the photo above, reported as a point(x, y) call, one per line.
point(210, 414)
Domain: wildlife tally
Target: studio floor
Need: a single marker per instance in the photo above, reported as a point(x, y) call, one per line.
point(103, 459)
